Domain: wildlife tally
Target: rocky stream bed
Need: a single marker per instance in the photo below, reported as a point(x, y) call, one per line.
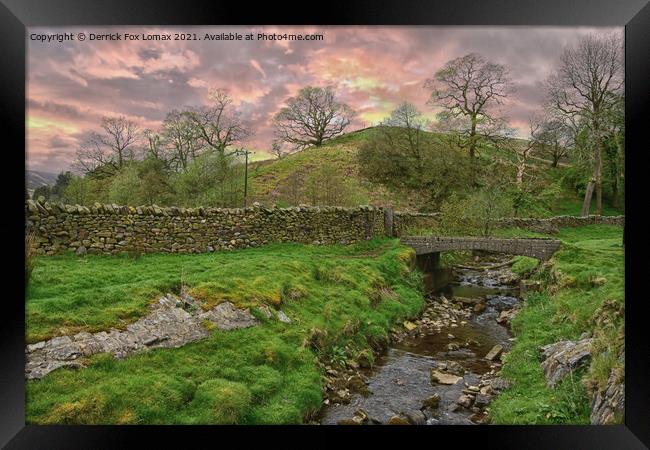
point(442, 368)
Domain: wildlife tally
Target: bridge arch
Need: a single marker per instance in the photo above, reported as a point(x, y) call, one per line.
point(538, 248)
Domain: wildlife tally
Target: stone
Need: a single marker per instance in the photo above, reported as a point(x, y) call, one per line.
point(481, 400)
point(164, 326)
point(415, 417)
point(563, 357)
point(494, 352)
point(282, 317)
point(431, 402)
point(465, 400)
point(438, 377)
point(409, 325)
point(398, 420)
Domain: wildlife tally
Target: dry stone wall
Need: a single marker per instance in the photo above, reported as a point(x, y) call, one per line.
point(109, 228)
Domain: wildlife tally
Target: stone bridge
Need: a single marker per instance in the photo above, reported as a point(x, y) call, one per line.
point(541, 249)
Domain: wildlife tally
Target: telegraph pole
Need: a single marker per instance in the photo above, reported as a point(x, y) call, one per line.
point(245, 153)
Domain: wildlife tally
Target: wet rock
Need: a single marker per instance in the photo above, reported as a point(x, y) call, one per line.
point(409, 325)
point(479, 307)
point(432, 401)
point(438, 377)
point(563, 357)
point(357, 384)
point(465, 400)
point(481, 400)
point(492, 354)
point(415, 417)
point(398, 420)
point(507, 315)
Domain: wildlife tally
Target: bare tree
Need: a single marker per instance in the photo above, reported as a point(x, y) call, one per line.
point(312, 117)
point(182, 138)
point(277, 149)
point(555, 139)
point(408, 121)
point(469, 89)
point(220, 125)
point(110, 149)
point(581, 90)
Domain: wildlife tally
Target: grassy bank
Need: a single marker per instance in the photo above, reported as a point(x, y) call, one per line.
point(341, 300)
point(584, 292)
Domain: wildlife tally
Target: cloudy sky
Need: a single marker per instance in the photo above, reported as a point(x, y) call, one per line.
point(71, 85)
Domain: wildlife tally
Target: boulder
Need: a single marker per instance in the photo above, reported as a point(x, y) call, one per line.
point(561, 358)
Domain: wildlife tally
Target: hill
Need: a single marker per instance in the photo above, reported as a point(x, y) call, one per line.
point(36, 178)
point(272, 181)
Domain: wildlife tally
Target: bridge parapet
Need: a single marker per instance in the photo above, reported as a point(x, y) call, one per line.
point(539, 248)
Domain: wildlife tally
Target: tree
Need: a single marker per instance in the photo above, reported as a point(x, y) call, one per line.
point(112, 148)
point(555, 139)
point(62, 181)
point(78, 191)
point(312, 117)
point(469, 89)
point(476, 213)
point(182, 137)
point(401, 155)
point(583, 89)
point(219, 124)
point(277, 149)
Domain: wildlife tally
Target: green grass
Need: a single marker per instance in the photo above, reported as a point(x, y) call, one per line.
point(587, 275)
point(341, 299)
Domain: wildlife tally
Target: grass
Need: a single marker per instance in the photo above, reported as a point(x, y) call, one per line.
point(341, 299)
point(584, 293)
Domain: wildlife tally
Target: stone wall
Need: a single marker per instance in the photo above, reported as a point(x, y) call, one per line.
point(552, 224)
point(113, 229)
point(110, 229)
point(541, 249)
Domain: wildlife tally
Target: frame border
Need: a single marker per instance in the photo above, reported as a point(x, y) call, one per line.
point(16, 15)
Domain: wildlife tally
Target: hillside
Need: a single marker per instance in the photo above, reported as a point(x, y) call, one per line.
point(36, 178)
point(271, 181)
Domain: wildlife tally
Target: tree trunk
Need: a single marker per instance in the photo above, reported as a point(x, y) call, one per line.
point(587, 202)
point(599, 177)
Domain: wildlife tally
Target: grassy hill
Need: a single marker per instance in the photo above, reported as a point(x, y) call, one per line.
point(269, 180)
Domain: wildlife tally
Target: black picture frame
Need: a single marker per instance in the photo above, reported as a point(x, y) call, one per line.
point(16, 15)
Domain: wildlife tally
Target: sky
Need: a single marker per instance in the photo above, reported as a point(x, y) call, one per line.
point(71, 84)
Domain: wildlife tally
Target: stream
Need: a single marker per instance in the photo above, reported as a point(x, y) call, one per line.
point(435, 370)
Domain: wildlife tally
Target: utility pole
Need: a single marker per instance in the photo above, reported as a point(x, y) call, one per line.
point(245, 153)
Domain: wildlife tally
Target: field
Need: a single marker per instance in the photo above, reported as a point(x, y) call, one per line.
point(349, 296)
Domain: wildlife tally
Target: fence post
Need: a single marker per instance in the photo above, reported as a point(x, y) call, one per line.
point(388, 221)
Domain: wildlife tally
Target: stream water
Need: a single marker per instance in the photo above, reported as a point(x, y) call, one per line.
point(453, 337)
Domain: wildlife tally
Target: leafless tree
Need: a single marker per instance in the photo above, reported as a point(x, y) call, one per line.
point(110, 149)
point(312, 117)
point(220, 125)
point(277, 149)
point(182, 138)
point(470, 89)
point(407, 120)
point(581, 89)
point(555, 138)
